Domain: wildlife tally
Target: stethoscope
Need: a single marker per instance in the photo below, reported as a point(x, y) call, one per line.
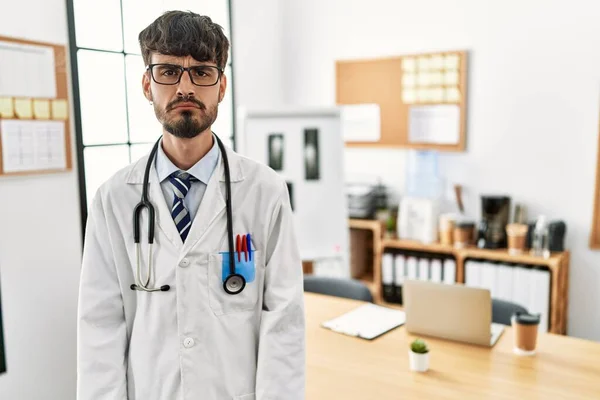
point(234, 283)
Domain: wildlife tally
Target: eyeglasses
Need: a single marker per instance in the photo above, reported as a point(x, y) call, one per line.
point(170, 74)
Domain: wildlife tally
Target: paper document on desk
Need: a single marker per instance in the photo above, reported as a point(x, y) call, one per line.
point(367, 321)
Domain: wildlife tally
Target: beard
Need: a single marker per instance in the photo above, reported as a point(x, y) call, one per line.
point(185, 125)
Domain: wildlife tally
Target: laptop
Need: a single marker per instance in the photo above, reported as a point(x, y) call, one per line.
point(454, 312)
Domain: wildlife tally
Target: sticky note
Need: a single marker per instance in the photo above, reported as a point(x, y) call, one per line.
point(60, 109)
point(408, 64)
point(437, 95)
point(435, 78)
point(409, 80)
point(41, 108)
point(23, 108)
point(452, 61)
point(423, 95)
point(409, 96)
point(423, 63)
point(424, 79)
point(7, 109)
point(437, 62)
point(452, 95)
point(451, 78)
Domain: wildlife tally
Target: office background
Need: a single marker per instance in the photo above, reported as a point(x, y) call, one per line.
point(533, 102)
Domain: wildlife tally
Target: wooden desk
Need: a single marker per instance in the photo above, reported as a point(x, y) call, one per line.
point(343, 367)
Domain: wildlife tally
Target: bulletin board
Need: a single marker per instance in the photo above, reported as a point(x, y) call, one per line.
point(595, 236)
point(34, 108)
point(422, 98)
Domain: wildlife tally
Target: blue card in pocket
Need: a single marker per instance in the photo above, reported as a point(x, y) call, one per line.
point(244, 259)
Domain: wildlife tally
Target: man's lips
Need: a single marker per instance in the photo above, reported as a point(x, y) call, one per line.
point(186, 105)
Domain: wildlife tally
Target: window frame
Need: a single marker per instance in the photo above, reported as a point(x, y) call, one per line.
point(77, 120)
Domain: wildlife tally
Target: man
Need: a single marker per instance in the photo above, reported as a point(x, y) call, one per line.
point(190, 339)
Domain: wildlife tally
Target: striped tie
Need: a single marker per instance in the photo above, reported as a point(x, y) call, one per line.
point(181, 183)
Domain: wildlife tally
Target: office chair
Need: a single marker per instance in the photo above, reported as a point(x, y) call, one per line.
point(502, 311)
point(339, 287)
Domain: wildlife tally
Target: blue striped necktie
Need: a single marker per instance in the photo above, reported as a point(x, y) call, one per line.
point(181, 183)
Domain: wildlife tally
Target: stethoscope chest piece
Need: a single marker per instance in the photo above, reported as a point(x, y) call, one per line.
point(234, 284)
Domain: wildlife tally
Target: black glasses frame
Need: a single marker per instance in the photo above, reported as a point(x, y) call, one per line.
point(150, 68)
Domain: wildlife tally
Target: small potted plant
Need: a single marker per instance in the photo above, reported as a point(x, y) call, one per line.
point(419, 356)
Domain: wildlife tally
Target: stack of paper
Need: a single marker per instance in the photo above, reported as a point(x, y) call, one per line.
point(367, 321)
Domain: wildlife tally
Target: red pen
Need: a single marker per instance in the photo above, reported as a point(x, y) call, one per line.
point(245, 248)
point(238, 247)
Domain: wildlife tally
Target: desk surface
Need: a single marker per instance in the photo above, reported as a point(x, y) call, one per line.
point(343, 367)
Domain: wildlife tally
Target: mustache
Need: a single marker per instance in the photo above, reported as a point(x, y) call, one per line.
point(186, 99)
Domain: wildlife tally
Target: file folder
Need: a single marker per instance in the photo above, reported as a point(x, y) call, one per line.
point(449, 271)
point(367, 321)
point(387, 276)
point(399, 274)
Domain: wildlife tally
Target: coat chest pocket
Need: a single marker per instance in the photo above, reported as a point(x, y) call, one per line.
point(222, 302)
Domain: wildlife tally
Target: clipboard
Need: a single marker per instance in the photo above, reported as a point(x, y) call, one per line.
point(368, 321)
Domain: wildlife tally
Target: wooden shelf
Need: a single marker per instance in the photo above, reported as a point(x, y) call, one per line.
point(418, 246)
point(369, 224)
point(473, 252)
point(557, 264)
point(372, 275)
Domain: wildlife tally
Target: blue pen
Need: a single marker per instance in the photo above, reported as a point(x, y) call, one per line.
point(249, 243)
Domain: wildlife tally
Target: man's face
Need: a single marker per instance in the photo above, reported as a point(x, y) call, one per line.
point(185, 109)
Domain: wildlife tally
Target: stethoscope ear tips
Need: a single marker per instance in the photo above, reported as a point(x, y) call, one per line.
point(165, 288)
point(133, 286)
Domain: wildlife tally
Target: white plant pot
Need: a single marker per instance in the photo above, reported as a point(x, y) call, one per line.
point(418, 362)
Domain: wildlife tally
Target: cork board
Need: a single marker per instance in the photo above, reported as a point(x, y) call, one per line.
point(402, 85)
point(42, 119)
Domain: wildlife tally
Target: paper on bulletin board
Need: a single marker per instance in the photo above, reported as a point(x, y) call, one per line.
point(27, 71)
point(439, 124)
point(32, 145)
point(361, 122)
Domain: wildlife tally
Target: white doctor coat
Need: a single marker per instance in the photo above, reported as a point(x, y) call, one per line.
point(194, 341)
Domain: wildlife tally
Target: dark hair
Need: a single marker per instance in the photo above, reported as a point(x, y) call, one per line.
point(181, 33)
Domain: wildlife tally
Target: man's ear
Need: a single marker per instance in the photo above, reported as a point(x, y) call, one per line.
point(146, 86)
point(222, 87)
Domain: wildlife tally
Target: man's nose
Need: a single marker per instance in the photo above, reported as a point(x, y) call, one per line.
point(185, 86)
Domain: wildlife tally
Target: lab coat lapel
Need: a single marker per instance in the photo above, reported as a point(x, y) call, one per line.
point(162, 210)
point(212, 204)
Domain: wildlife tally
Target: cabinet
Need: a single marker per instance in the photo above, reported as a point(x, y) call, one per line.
point(557, 265)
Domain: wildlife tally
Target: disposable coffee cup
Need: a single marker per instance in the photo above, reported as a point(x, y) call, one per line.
point(517, 236)
point(525, 332)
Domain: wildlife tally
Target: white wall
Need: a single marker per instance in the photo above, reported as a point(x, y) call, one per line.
point(40, 250)
point(533, 97)
point(257, 47)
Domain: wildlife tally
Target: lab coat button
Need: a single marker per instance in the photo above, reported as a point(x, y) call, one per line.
point(184, 263)
point(188, 342)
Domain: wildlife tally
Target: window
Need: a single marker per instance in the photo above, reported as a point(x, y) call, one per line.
point(114, 123)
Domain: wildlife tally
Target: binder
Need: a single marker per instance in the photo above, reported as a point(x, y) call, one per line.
point(436, 270)
point(399, 274)
point(411, 266)
point(387, 276)
point(449, 271)
point(505, 282)
point(472, 273)
point(540, 295)
point(487, 272)
point(520, 293)
point(424, 269)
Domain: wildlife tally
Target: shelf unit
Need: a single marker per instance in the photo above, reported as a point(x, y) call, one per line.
point(372, 272)
point(557, 264)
